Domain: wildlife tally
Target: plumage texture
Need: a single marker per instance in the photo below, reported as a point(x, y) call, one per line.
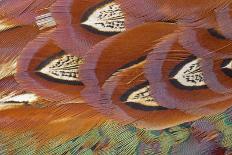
point(116, 77)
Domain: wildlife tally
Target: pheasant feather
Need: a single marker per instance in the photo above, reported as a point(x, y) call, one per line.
point(117, 77)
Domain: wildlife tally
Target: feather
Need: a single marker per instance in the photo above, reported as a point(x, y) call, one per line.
point(130, 101)
point(45, 125)
point(12, 42)
point(18, 13)
point(115, 77)
point(131, 46)
point(51, 70)
point(218, 69)
point(177, 70)
point(137, 12)
point(106, 68)
point(109, 85)
point(93, 21)
point(126, 98)
point(12, 96)
point(223, 19)
point(15, 34)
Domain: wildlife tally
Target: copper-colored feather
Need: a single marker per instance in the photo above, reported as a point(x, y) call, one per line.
point(95, 76)
point(87, 22)
point(137, 12)
point(120, 51)
point(12, 42)
point(18, 13)
point(47, 124)
point(126, 97)
point(53, 72)
point(177, 71)
point(13, 95)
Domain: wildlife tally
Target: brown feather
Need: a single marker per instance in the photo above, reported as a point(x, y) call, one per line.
point(53, 72)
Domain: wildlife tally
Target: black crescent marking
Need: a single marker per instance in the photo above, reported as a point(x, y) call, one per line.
point(226, 71)
point(89, 12)
point(52, 79)
point(139, 106)
point(175, 71)
point(216, 34)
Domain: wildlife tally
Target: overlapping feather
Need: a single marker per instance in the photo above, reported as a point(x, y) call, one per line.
point(69, 69)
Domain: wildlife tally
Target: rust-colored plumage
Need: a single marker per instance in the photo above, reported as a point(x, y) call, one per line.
point(31, 68)
point(115, 77)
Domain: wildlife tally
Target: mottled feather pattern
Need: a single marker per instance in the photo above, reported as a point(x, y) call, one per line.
point(116, 77)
